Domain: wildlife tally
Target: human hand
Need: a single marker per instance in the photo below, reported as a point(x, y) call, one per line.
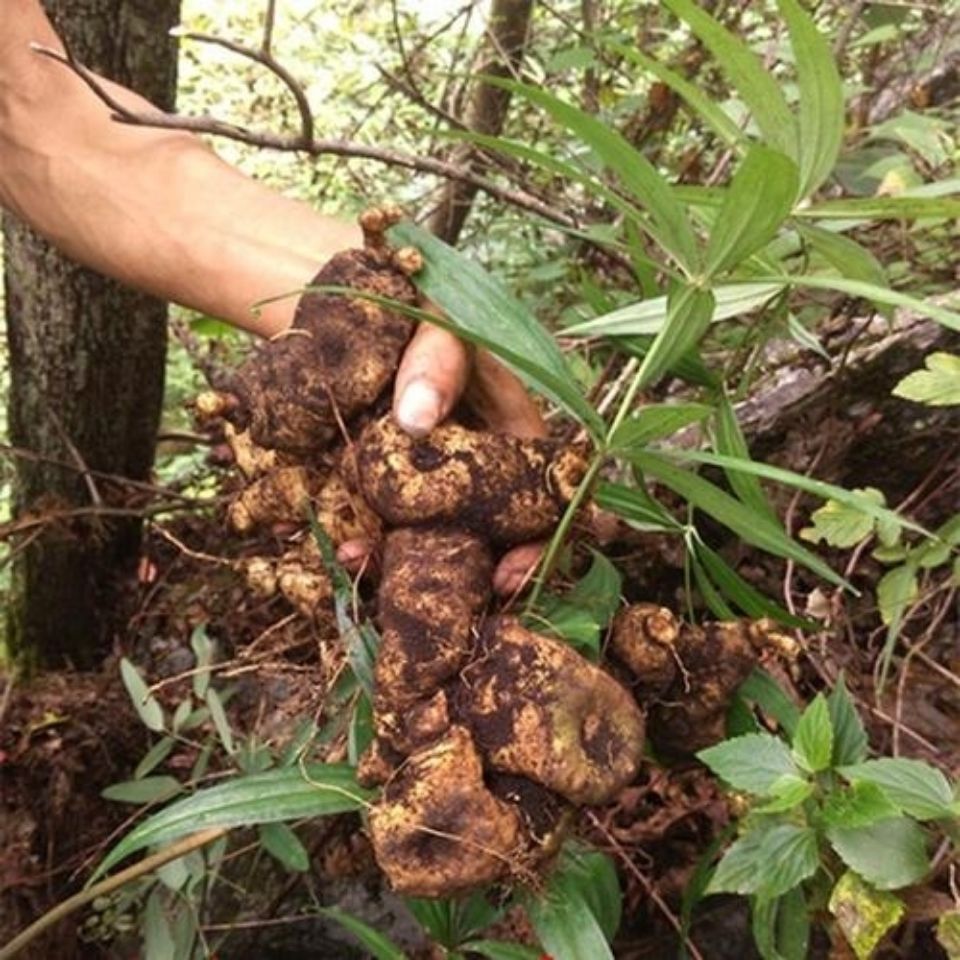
point(438, 369)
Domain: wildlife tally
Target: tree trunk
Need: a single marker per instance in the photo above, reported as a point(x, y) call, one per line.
point(86, 365)
point(506, 37)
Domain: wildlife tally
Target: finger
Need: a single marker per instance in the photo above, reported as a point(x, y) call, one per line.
point(516, 568)
point(353, 554)
point(431, 378)
point(499, 397)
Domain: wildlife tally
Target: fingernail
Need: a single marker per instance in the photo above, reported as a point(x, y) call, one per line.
point(352, 550)
point(419, 408)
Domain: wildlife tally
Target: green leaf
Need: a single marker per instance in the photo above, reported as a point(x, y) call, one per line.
point(863, 914)
point(158, 941)
point(181, 714)
point(730, 442)
point(636, 506)
point(756, 530)
point(948, 934)
point(844, 524)
point(753, 762)
point(813, 740)
point(822, 108)
point(767, 862)
point(753, 81)
point(480, 309)
point(380, 946)
point(590, 875)
point(360, 733)
point(781, 926)
point(847, 256)
point(883, 208)
point(219, 717)
point(496, 950)
point(788, 792)
point(285, 846)
point(144, 790)
point(154, 757)
point(888, 854)
point(203, 650)
point(655, 422)
point(144, 702)
point(915, 787)
point(311, 790)
point(689, 311)
point(767, 694)
point(649, 316)
point(864, 803)
point(699, 102)
point(849, 735)
point(896, 590)
point(758, 200)
point(937, 386)
point(640, 178)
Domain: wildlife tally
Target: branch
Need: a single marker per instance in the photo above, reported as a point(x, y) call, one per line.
point(157, 119)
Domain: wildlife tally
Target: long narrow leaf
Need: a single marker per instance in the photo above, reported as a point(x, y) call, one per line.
point(753, 81)
point(648, 316)
point(379, 946)
point(821, 117)
point(758, 200)
point(635, 172)
point(852, 260)
point(731, 442)
point(741, 519)
point(883, 208)
point(315, 790)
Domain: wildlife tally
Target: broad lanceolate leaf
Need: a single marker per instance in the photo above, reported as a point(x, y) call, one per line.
point(813, 740)
point(849, 735)
point(154, 757)
point(896, 590)
point(852, 260)
point(863, 804)
point(915, 787)
point(314, 790)
point(636, 506)
point(144, 790)
point(591, 875)
point(566, 926)
point(863, 914)
point(283, 844)
point(146, 705)
point(656, 422)
point(753, 762)
point(497, 950)
point(640, 178)
point(767, 694)
point(758, 200)
point(648, 316)
point(821, 98)
point(767, 862)
point(781, 926)
point(481, 310)
point(757, 530)
point(888, 854)
point(379, 945)
point(754, 83)
point(689, 310)
point(937, 386)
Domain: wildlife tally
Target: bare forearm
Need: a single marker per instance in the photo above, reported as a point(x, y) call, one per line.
point(155, 209)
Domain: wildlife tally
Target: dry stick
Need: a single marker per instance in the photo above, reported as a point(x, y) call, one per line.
point(157, 119)
point(145, 866)
point(647, 885)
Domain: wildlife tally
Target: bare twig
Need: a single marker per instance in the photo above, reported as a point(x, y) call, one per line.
point(269, 17)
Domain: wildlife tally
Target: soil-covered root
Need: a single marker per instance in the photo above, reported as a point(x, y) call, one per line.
point(539, 709)
point(505, 489)
point(300, 576)
point(279, 497)
point(435, 581)
point(687, 675)
point(437, 829)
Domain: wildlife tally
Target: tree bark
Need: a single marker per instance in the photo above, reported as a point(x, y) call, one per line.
point(503, 47)
point(86, 365)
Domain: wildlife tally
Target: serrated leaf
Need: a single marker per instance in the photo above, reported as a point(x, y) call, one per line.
point(849, 735)
point(937, 386)
point(864, 803)
point(479, 308)
point(648, 316)
point(656, 422)
point(787, 792)
point(863, 914)
point(821, 115)
point(758, 200)
point(767, 862)
point(285, 846)
point(146, 705)
point(146, 790)
point(379, 945)
point(154, 757)
point(915, 787)
point(753, 762)
point(843, 524)
point(311, 790)
point(813, 740)
point(896, 589)
point(754, 83)
point(888, 854)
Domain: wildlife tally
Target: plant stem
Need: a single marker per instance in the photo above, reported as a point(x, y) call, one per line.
point(145, 866)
